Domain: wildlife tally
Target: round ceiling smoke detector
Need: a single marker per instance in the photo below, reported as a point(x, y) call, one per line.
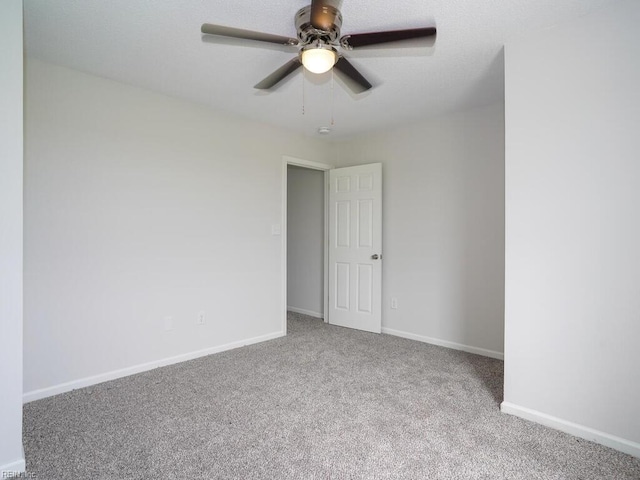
point(324, 130)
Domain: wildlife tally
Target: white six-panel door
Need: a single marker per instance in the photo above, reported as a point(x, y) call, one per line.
point(355, 247)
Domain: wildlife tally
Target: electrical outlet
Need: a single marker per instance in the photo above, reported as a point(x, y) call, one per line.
point(168, 323)
point(394, 303)
point(200, 318)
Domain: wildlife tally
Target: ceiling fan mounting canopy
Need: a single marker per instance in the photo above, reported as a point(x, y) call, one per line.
point(318, 36)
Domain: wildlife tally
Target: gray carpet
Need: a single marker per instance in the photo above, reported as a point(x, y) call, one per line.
point(323, 403)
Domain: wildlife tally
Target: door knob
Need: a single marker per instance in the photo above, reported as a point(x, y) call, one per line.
point(375, 256)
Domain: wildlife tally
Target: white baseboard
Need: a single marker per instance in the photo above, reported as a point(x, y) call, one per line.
point(13, 469)
point(305, 312)
point(445, 343)
point(124, 372)
point(577, 430)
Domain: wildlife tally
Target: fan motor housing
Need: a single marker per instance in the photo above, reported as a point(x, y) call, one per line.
point(307, 33)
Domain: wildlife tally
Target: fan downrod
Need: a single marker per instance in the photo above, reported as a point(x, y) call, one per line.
point(307, 33)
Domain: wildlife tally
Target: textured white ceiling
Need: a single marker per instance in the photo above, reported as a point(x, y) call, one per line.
point(157, 45)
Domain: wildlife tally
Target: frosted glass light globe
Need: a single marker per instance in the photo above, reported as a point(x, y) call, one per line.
point(318, 60)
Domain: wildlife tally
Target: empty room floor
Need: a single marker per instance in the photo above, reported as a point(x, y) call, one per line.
point(324, 402)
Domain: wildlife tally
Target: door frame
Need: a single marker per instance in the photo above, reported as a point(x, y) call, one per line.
point(324, 167)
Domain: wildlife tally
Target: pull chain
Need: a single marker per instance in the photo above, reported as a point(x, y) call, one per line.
point(303, 82)
point(332, 97)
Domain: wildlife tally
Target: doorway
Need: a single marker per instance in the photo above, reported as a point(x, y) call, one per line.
point(305, 238)
point(348, 246)
point(305, 241)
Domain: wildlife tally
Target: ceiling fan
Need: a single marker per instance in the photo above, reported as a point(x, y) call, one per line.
point(318, 38)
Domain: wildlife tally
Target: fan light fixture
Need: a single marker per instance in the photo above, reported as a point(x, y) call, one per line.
point(319, 58)
point(320, 44)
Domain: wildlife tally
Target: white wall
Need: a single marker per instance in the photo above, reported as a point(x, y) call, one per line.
point(305, 240)
point(11, 138)
point(139, 207)
point(573, 227)
point(443, 227)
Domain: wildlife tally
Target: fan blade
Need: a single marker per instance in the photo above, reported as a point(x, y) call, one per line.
point(323, 13)
point(353, 78)
point(222, 31)
point(376, 38)
point(280, 74)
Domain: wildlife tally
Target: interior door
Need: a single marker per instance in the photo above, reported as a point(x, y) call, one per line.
point(355, 247)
